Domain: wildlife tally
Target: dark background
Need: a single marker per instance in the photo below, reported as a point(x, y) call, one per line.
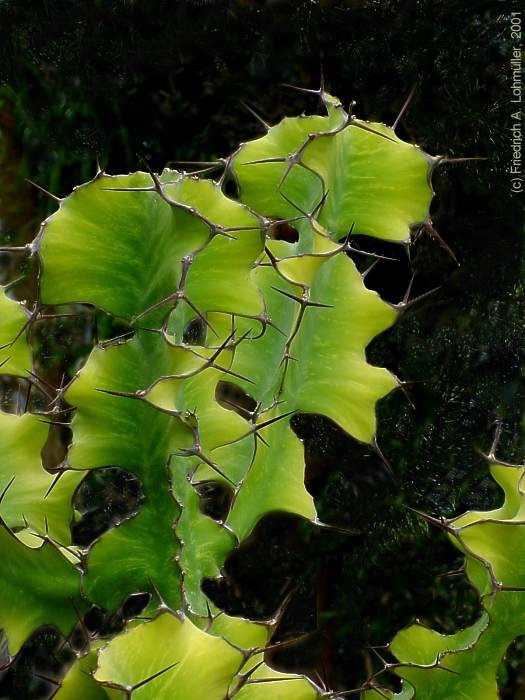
point(164, 81)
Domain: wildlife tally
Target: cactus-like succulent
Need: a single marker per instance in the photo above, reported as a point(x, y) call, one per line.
point(242, 313)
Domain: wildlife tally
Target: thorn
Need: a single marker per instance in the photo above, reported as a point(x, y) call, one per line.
point(497, 435)
point(17, 249)
point(303, 302)
point(257, 116)
point(320, 205)
point(154, 176)
point(121, 394)
point(154, 307)
point(307, 91)
point(430, 228)
point(265, 320)
point(405, 106)
point(157, 592)
point(44, 386)
point(276, 679)
point(258, 436)
point(286, 358)
point(39, 187)
point(53, 681)
point(299, 300)
point(441, 523)
point(382, 457)
point(13, 283)
point(292, 204)
point(409, 289)
point(277, 159)
point(128, 189)
point(358, 125)
point(338, 528)
point(368, 269)
point(154, 675)
point(266, 423)
point(54, 483)
point(201, 315)
point(321, 80)
point(6, 489)
point(213, 466)
point(415, 300)
point(209, 615)
point(403, 388)
point(447, 161)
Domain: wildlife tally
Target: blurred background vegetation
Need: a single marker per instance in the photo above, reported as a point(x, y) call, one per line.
point(120, 80)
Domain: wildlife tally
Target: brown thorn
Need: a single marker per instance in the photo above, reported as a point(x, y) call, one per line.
point(318, 304)
point(48, 679)
point(13, 283)
point(376, 652)
point(200, 315)
point(42, 189)
point(26, 404)
point(448, 161)
point(432, 231)
point(307, 91)
point(368, 269)
point(233, 374)
point(415, 300)
point(26, 327)
point(354, 691)
point(407, 395)
point(277, 159)
point(153, 175)
point(16, 249)
point(294, 205)
point(117, 340)
point(54, 483)
point(213, 466)
point(209, 615)
point(291, 162)
point(405, 106)
point(43, 385)
point(358, 125)
point(156, 591)
point(266, 423)
point(6, 489)
point(437, 522)
point(320, 205)
point(157, 305)
point(128, 189)
point(382, 457)
point(257, 116)
point(275, 679)
point(497, 435)
point(154, 675)
point(260, 437)
point(288, 294)
point(409, 289)
point(222, 347)
point(121, 394)
point(245, 676)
